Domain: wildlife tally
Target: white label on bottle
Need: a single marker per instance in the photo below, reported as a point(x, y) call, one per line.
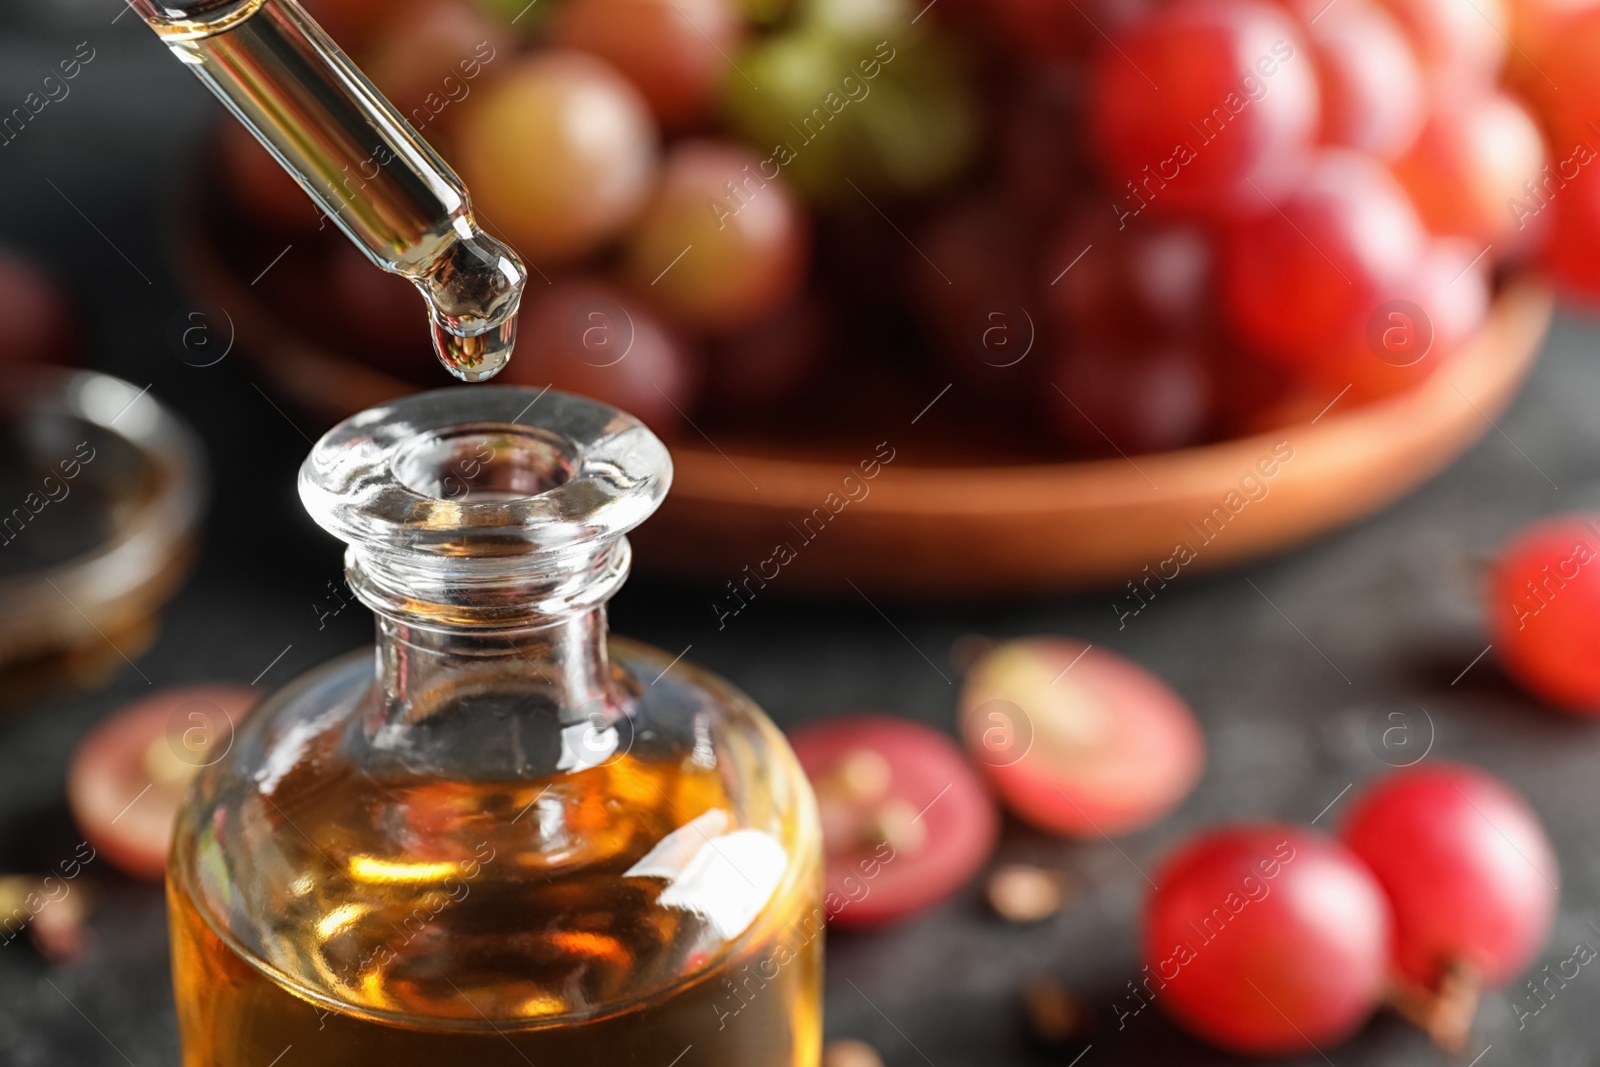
point(725, 878)
point(587, 744)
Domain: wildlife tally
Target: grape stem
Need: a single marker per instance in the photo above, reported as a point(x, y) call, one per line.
point(1445, 1014)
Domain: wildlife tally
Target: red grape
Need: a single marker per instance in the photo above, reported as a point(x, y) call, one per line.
point(36, 322)
point(128, 776)
point(1543, 610)
point(1570, 225)
point(1461, 45)
point(430, 59)
point(905, 820)
point(1536, 27)
point(978, 304)
point(765, 365)
point(1301, 284)
point(1204, 107)
point(586, 336)
point(675, 51)
point(1040, 32)
point(378, 315)
point(1373, 94)
point(724, 242)
point(1252, 395)
point(351, 22)
point(1473, 159)
point(1042, 29)
point(559, 152)
point(1111, 401)
point(1556, 70)
point(1466, 866)
point(1077, 740)
point(1454, 289)
point(259, 183)
point(1146, 282)
point(1266, 939)
point(1037, 165)
point(1562, 203)
point(1411, 337)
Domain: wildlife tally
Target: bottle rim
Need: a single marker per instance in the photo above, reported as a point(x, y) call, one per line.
point(485, 473)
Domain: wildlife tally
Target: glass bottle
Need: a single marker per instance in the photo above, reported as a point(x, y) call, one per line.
point(514, 841)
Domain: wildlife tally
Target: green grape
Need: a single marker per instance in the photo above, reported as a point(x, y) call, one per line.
point(854, 92)
point(855, 21)
point(794, 71)
point(528, 18)
point(927, 128)
point(763, 12)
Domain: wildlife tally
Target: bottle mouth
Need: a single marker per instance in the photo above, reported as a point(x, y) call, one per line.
point(485, 472)
point(491, 462)
point(484, 505)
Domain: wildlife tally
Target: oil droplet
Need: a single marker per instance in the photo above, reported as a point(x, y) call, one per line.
point(473, 289)
point(476, 357)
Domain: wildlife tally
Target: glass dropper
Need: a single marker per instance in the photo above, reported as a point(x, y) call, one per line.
point(353, 153)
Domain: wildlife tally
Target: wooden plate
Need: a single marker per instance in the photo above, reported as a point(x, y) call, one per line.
point(935, 528)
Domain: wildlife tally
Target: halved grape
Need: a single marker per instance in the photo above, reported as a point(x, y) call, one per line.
point(129, 774)
point(1078, 740)
point(905, 820)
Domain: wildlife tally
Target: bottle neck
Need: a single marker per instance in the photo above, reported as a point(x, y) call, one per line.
point(506, 676)
point(562, 665)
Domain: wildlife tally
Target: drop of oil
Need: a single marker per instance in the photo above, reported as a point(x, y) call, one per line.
point(473, 289)
point(476, 357)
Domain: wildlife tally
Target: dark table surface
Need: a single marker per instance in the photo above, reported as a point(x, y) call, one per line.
point(1384, 616)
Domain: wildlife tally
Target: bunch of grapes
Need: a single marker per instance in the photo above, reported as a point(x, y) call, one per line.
point(1277, 201)
point(1120, 225)
point(659, 164)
